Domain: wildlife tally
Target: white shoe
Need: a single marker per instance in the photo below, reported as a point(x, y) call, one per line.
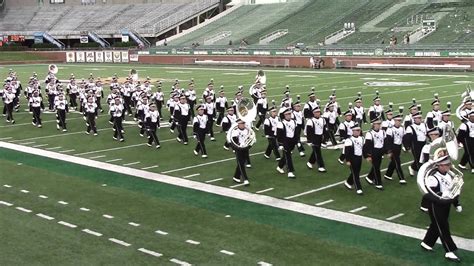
point(387, 177)
point(403, 181)
point(266, 156)
point(158, 146)
point(310, 166)
point(204, 156)
point(40, 126)
point(426, 247)
point(171, 130)
point(451, 256)
point(246, 182)
point(95, 134)
point(369, 180)
point(141, 135)
point(178, 139)
point(459, 208)
point(324, 145)
point(87, 133)
point(302, 153)
point(462, 166)
point(122, 140)
point(322, 169)
point(236, 180)
point(195, 152)
point(57, 126)
point(359, 192)
point(281, 171)
point(379, 187)
point(248, 166)
point(64, 130)
point(213, 139)
point(185, 143)
point(114, 138)
point(225, 148)
point(148, 144)
point(423, 209)
point(278, 159)
point(347, 185)
point(411, 171)
point(472, 171)
point(340, 161)
point(291, 175)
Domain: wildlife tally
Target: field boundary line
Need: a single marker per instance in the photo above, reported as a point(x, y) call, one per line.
point(297, 207)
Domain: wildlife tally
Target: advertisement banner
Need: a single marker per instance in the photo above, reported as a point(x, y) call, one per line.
point(125, 57)
point(38, 37)
point(70, 57)
point(80, 57)
point(90, 58)
point(117, 57)
point(108, 57)
point(134, 58)
point(99, 57)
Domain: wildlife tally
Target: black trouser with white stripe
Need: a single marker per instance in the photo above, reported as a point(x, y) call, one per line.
point(9, 111)
point(374, 173)
point(152, 137)
point(287, 159)
point(468, 156)
point(242, 157)
point(354, 177)
point(416, 148)
point(182, 128)
point(73, 100)
point(200, 146)
point(127, 102)
point(439, 227)
point(220, 111)
point(298, 138)
point(209, 126)
point(61, 118)
point(395, 164)
point(118, 127)
point(91, 122)
point(272, 146)
point(316, 156)
point(261, 119)
point(37, 115)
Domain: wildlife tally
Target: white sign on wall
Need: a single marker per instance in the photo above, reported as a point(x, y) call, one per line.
point(117, 57)
point(108, 57)
point(125, 57)
point(80, 57)
point(70, 57)
point(90, 58)
point(99, 57)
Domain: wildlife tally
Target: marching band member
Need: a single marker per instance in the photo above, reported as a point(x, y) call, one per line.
point(415, 139)
point(331, 117)
point(439, 210)
point(394, 144)
point(256, 91)
point(310, 105)
point(61, 107)
point(374, 149)
point(9, 103)
point(242, 153)
point(358, 112)
point(287, 139)
point(315, 129)
point(444, 122)
point(91, 112)
point(36, 103)
point(152, 122)
point(433, 134)
point(388, 122)
point(181, 116)
point(211, 113)
point(159, 100)
point(466, 109)
point(297, 115)
point(99, 94)
point(345, 131)
point(191, 97)
point(261, 78)
point(466, 137)
point(227, 122)
point(200, 129)
point(221, 107)
point(413, 109)
point(172, 103)
point(127, 92)
point(73, 91)
point(270, 129)
point(287, 101)
point(142, 109)
point(117, 111)
point(353, 149)
point(433, 117)
point(52, 92)
point(209, 92)
point(376, 110)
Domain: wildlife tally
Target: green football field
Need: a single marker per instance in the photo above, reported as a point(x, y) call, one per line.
point(254, 233)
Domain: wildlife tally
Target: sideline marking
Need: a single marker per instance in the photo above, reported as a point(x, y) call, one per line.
point(297, 207)
point(134, 224)
point(161, 232)
point(150, 167)
point(120, 242)
point(42, 196)
point(107, 216)
point(238, 185)
point(113, 160)
point(193, 175)
point(53, 148)
point(84, 209)
point(90, 232)
point(358, 209)
point(67, 224)
point(6, 203)
point(265, 190)
point(214, 180)
point(395, 217)
point(24, 191)
point(66, 151)
point(324, 202)
point(149, 252)
point(23, 209)
point(7, 186)
point(97, 157)
point(40, 145)
point(180, 262)
point(27, 143)
point(63, 202)
point(192, 242)
point(44, 216)
point(262, 263)
point(230, 253)
point(128, 164)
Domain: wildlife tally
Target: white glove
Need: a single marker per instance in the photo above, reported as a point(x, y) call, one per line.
point(280, 148)
point(459, 208)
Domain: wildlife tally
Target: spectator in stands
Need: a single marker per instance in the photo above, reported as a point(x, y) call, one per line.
point(230, 42)
point(407, 39)
point(165, 43)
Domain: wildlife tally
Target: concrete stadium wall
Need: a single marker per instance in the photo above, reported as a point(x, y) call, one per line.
point(46, 3)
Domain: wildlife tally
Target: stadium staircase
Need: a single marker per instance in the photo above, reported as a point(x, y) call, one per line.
point(217, 37)
point(339, 35)
point(141, 41)
point(96, 38)
point(53, 40)
point(264, 40)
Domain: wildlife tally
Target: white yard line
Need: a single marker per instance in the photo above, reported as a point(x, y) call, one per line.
point(23, 209)
point(213, 180)
point(7, 138)
point(262, 263)
point(204, 164)
point(265, 190)
point(67, 224)
point(107, 216)
point(97, 157)
point(298, 207)
point(134, 224)
point(111, 149)
point(161, 232)
point(230, 253)
point(332, 185)
point(180, 262)
point(27, 143)
point(8, 204)
point(324, 202)
point(395, 217)
point(149, 252)
point(84, 209)
point(358, 209)
point(192, 242)
point(24, 191)
point(150, 167)
point(7, 186)
point(67, 151)
point(120, 242)
point(63, 202)
point(90, 232)
point(237, 185)
point(53, 148)
point(128, 164)
point(193, 175)
point(42, 196)
point(113, 160)
point(44, 216)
